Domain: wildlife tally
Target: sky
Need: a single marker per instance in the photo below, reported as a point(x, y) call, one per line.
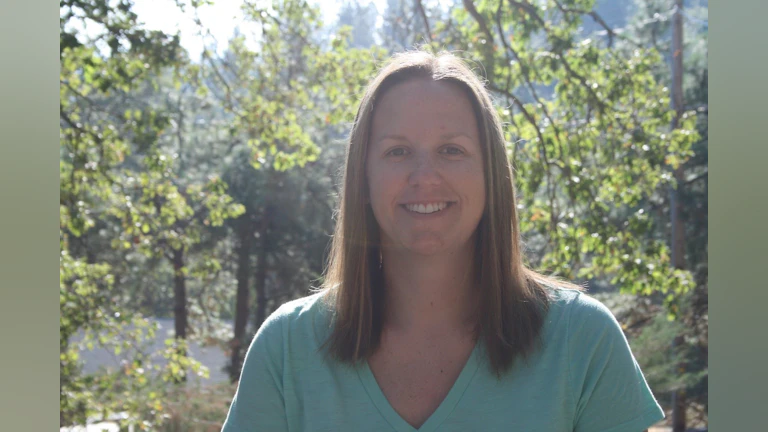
point(221, 18)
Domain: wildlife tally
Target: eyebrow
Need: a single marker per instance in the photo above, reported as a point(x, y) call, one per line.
point(446, 136)
point(392, 137)
point(455, 135)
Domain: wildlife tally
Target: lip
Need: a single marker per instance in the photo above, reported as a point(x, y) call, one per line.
point(427, 201)
point(436, 214)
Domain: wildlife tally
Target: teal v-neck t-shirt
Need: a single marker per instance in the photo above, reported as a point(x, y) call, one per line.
point(583, 378)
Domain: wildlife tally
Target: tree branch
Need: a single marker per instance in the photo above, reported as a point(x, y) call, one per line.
point(423, 14)
point(598, 19)
point(470, 6)
point(527, 79)
point(530, 9)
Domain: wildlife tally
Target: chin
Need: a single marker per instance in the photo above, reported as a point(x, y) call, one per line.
point(428, 245)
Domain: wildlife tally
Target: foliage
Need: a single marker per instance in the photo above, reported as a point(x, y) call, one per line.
point(89, 318)
point(651, 334)
point(197, 408)
point(589, 137)
point(168, 165)
point(112, 171)
point(651, 25)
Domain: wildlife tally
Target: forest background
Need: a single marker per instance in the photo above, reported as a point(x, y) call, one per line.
point(199, 176)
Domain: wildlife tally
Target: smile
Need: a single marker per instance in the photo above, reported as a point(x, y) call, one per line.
point(427, 208)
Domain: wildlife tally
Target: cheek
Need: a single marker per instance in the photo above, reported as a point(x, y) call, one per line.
point(480, 202)
point(471, 174)
point(475, 187)
point(379, 193)
point(384, 180)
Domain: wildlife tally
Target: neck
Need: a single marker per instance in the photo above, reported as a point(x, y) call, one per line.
point(429, 294)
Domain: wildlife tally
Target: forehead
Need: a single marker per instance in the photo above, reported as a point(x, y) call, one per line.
point(419, 107)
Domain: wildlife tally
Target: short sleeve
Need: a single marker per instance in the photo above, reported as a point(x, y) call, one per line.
point(609, 389)
point(258, 404)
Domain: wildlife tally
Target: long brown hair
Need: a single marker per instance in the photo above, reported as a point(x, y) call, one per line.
point(514, 300)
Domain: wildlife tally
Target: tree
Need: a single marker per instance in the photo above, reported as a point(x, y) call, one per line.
point(596, 145)
point(662, 24)
point(280, 100)
point(407, 23)
point(589, 155)
point(114, 173)
point(362, 20)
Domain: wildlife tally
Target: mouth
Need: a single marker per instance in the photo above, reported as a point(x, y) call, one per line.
point(427, 208)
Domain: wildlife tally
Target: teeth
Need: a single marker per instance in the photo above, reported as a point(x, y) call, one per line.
point(426, 208)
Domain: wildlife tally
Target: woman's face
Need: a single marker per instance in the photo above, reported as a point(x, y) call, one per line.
point(425, 168)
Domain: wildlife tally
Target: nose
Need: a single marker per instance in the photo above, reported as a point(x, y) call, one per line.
point(424, 172)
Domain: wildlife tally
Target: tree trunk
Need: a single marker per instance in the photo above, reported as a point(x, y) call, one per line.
point(179, 295)
point(261, 270)
point(180, 303)
point(678, 228)
point(245, 237)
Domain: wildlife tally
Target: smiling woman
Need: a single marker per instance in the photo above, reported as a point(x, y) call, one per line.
point(429, 319)
point(425, 170)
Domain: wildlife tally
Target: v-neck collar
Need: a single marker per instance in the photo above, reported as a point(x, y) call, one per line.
point(443, 410)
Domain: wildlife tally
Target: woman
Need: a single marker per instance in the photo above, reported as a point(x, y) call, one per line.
point(428, 319)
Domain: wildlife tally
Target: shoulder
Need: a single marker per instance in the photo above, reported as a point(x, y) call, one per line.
point(582, 324)
point(580, 311)
point(296, 328)
point(300, 309)
point(310, 313)
point(284, 342)
point(606, 382)
point(604, 378)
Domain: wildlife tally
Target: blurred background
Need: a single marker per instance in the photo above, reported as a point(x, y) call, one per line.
point(201, 144)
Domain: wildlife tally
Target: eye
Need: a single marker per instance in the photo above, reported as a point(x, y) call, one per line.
point(398, 151)
point(452, 150)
